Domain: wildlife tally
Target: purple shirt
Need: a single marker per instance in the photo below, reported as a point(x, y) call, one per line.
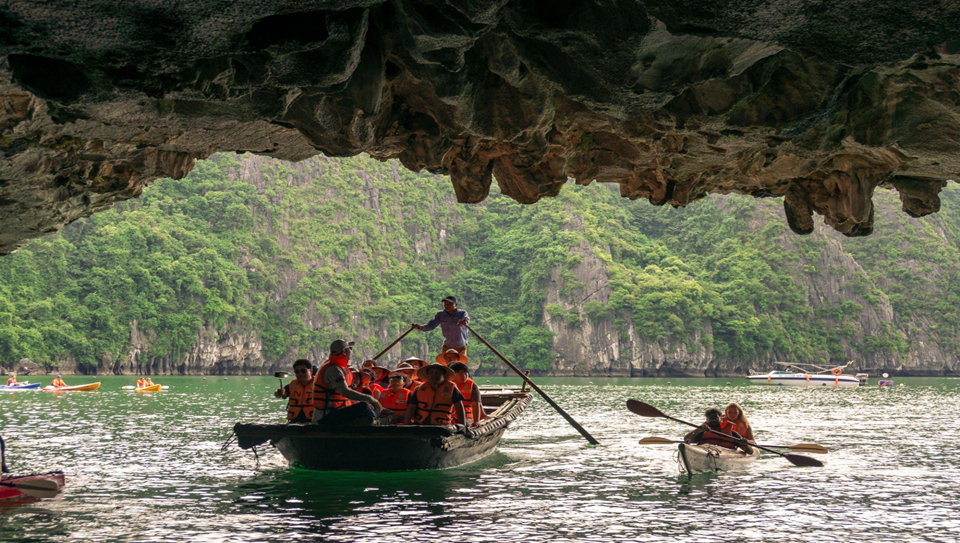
point(454, 335)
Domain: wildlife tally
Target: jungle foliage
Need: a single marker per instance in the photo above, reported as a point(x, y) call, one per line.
point(304, 253)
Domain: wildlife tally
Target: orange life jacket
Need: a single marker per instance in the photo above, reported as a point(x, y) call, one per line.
point(395, 401)
point(435, 407)
point(58, 382)
point(301, 401)
point(141, 382)
point(326, 399)
point(11, 381)
point(711, 438)
point(739, 426)
point(467, 390)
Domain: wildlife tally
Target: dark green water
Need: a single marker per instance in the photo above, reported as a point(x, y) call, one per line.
point(149, 467)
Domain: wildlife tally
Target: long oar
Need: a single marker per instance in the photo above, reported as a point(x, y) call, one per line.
point(799, 447)
point(388, 347)
point(39, 488)
point(646, 410)
point(542, 394)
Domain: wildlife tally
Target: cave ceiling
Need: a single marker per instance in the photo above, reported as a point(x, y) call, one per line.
point(819, 102)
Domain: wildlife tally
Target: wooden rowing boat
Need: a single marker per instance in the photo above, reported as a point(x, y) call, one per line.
point(705, 458)
point(389, 448)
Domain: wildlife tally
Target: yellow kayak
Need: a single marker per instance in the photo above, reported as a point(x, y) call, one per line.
point(88, 386)
point(151, 388)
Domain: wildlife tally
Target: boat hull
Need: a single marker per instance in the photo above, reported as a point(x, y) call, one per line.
point(385, 448)
point(152, 388)
point(10, 494)
point(800, 380)
point(78, 388)
point(707, 458)
point(31, 386)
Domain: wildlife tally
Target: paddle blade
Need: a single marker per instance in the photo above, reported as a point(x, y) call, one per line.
point(644, 410)
point(657, 441)
point(809, 448)
point(37, 489)
point(799, 447)
point(803, 461)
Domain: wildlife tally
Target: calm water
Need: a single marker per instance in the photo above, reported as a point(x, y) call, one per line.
point(150, 468)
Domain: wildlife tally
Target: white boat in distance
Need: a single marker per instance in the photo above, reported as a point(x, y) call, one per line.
point(822, 377)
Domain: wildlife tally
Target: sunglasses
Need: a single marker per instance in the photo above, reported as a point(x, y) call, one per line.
point(298, 372)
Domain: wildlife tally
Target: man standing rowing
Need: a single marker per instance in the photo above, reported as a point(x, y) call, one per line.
point(453, 324)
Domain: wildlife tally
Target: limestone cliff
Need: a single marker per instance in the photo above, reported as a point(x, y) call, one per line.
point(819, 103)
point(583, 284)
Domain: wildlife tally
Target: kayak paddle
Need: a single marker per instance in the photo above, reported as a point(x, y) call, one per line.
point(800, 447)
point(646, 410)
point(39, 488)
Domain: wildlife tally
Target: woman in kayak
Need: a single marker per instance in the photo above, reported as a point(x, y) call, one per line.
point(12, 381)
point(713, 432)
point(734, 416)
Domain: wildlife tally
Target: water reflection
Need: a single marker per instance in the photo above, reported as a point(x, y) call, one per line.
point(150, 468)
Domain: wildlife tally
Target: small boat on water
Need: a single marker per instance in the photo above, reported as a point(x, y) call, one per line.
point(706, 458)
point(790, 378)
point(390, 448)
point(10, 493)
point(808, 375)
point(88, 386)
point(151, 388)
point(20, 386)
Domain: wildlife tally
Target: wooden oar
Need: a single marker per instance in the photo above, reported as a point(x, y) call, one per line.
point(647, 410)
point(800, 447)
point(388, 347)
point(39, 488)
point(542, 394)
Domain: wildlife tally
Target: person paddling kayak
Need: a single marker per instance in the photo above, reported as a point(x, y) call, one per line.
point(709, 433)
point(734, 415)
point(12, 381)
point(58, 382)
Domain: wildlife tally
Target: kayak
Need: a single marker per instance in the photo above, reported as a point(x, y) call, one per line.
point(151, 388)
point(704, 458)
point(11, 493)
point(88, 386)
point(24, 386)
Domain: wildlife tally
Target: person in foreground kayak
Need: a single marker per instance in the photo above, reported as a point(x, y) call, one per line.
point(709, 434)
point(12, 381)
point(734, 416)
point(332, 395)
point(58, 382)
point(299, 392)
point(437, 400)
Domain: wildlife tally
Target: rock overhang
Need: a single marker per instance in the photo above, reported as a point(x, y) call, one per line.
point(819, 103)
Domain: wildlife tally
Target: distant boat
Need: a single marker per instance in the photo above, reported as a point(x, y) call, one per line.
point(20, 386)
point(790, 378)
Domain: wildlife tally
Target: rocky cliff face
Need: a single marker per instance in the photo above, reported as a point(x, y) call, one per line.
point(336, 225)
point(819, 103)
point(830, 277)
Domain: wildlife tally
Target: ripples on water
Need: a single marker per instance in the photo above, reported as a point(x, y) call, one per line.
point(150, 468)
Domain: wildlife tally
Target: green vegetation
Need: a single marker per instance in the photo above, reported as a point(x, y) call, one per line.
point(302, 253)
